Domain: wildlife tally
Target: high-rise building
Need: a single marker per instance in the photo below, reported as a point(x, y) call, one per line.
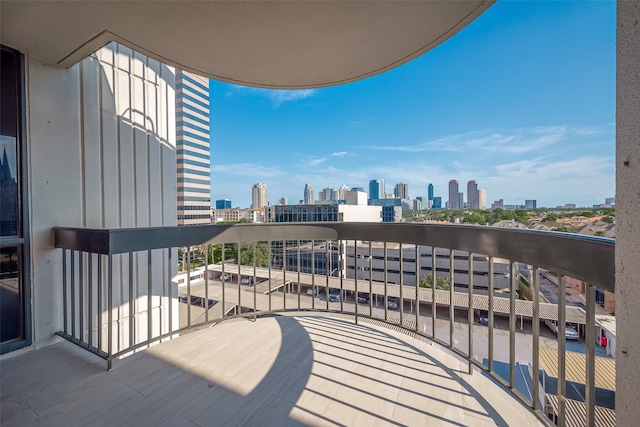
point(498, 204)
point(437, 203)
point(326, 194)
point(376, 188)
point(223, 204)
point(259, 197)
point(401, 191)
point(473, 197)
point(530, 204)
point(454, 201)
point(308, 194)
point(430, 191)
point(482, 199)
point(193, 149)
point(461, 200)
point(283, 201)
point(342, 192)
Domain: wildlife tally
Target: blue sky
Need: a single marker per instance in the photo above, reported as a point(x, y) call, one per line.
point(521, 100)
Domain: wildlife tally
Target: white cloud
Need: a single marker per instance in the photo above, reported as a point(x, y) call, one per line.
point(339, 154)
point(277, 96)
point(507, 141)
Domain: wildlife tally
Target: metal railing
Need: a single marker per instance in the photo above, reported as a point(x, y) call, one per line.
point(122, 289)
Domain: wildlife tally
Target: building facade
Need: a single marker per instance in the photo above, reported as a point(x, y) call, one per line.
point(430, 191)
point(530, 204)
point(473, 196)
point(308, 194)
point(401, 191)
point(454, 200)
point(376, 189)
point(482, 199)
point(259, 196)
point(223, 204)
point(193, 148)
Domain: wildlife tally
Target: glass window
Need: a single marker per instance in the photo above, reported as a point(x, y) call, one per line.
point(14, 311)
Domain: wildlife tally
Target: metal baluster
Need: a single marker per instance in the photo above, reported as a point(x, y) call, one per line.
point(340, 265)
point(490, 323)
point(355, 275)
point(401, 280)
point(100, 346)
point(110, 308)
point(417, 273)
point(170, 288)
point(90, 299)
point(386, 295)
point(222, 261)
point(284, 275)
point(590, 331)
point(252, 281)
point(206, 282)
point(81, 304)
point(512, 326)
point(562, 385)
point(313, 275)
point(299, 267)
point(470, 309)
point(188, 286)
point(327, 268)
point(451, 286)
point(434, 267)
point(270, 282)
point(238, 280)
point(370, 281)
point(65, 307)
point(73, 294)
point(149, 298)
point(131, 303)
point(535, 326)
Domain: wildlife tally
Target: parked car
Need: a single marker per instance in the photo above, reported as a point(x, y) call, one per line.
point(246, 281)
point(392, 303)
point(481, 316)
point(363, 298)
point(225, 277)
point(569, 332)
point(334, 295)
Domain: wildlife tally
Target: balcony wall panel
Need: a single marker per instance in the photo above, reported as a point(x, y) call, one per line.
point(101, 142)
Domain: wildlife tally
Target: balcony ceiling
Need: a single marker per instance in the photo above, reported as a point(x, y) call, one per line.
point(271, 44)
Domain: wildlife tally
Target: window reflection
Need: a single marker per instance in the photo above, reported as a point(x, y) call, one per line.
point(10, 295)
point(9, 110)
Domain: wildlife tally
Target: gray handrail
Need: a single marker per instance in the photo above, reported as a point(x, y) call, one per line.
point(586, 258)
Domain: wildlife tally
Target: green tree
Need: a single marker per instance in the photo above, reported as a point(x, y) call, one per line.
point(607, 219)
point(442, 283)
point(600, 233)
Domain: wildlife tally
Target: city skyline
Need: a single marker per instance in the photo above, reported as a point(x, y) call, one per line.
point(521, 100)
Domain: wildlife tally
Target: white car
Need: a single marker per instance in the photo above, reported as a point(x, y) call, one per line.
point(245, 281)
point(225, 277)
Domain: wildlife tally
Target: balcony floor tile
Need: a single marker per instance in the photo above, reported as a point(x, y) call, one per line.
point(276, 371)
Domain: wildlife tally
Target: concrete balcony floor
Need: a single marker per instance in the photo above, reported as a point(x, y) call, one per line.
point(280, 370)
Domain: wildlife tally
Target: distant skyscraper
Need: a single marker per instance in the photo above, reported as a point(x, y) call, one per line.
point(401, 191)
point(342, 192)
point(473, 198)
point(283, 201)
point(530, 204)
point(454, 201)
point(437, 203)
point(259, 196)
point(610, 200)
point(308, 194)
point(461, 200)
point(430, 191)
point(326, 194)
point(223, 204)
point(376, 188)
point(482, 199)
point(498, 204)
point(192, 149)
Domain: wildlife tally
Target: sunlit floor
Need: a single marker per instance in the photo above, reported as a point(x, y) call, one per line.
point(277, 371)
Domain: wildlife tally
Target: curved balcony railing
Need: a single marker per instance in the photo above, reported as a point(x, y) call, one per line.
point(122, 289)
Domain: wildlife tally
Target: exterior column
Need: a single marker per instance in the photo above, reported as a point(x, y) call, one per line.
point(628, 213)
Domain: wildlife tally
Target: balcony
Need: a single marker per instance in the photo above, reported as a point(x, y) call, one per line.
point(195, 346)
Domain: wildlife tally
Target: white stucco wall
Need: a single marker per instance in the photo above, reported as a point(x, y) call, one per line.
point(101, 154)
point(360, 213)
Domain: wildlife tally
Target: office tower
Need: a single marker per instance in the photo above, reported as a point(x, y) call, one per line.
point(482, 199)
point(283, 201)
point(357, 189)
point(437, 203)
point(454, 195)
point(473, 198)
point(430, 191)
point(223, 204)
point(193, 149)
point(326, 194)
point(498, 204)
point(308, 194)
point(417, 204)
point(259, 198)
point(610, 200)
point(376, 188)
point(461, 201)
point(342, 192)
point(401, 191)
point(530, 204)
